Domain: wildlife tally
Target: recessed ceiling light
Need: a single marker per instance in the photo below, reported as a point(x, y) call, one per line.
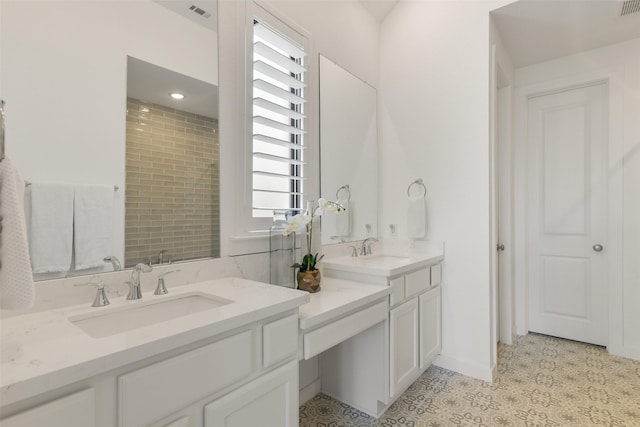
point(176, 95)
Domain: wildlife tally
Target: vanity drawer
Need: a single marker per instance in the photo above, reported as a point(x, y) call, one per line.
point(280, 340)
point(397, 291)
point(154, 392)
point(315, 342)
point(417, 282)
point(436, 275)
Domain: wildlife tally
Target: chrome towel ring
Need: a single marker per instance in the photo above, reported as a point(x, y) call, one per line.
point(345, 188)
point(417, 182)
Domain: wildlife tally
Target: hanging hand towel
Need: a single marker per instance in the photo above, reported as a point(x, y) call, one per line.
point(417, 217)
point(343, 219)
point(51, 227)
point(93, 225)
point(16, 280)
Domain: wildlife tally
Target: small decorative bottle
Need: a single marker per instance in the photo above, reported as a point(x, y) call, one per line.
point(281, 252)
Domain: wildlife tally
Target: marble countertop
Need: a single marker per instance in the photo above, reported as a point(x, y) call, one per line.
point(44, 351)
point(383, 265)
point(336, 298)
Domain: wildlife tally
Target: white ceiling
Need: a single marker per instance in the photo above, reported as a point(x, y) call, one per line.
point(150, 83)
point(540, 30)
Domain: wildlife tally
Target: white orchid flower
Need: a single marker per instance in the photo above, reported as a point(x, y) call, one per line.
point(325, 205)
point(297, 223)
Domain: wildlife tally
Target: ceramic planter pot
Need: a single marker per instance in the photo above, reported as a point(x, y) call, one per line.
point(309, 281)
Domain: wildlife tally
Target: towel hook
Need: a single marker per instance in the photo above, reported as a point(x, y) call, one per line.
point(417, 182)
point(345, 188)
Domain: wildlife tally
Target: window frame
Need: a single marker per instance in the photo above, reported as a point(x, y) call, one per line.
point(260, 225)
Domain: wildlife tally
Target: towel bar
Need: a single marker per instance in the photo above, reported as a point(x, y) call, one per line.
point(28, 183)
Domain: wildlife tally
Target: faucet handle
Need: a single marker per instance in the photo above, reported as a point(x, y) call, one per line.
point(161, 289)
point(354, 251)
point(161, 276)
point(101, 297)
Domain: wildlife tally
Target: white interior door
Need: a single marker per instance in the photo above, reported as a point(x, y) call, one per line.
point(567, 135)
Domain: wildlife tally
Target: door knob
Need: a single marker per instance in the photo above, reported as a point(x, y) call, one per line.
point(598, 248)
point(500, 247)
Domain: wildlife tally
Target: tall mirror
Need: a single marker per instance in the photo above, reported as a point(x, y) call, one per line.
point(87, 88)
point(348, 154)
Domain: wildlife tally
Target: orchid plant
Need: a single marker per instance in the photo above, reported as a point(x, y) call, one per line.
point(304, 221)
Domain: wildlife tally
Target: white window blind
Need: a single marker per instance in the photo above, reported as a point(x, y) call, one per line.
point(278, 122)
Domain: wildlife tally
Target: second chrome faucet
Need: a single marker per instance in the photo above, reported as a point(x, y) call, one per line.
point(134, 284)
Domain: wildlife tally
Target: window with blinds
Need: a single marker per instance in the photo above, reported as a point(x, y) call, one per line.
point(278, 122)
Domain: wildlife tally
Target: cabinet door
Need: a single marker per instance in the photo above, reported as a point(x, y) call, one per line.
point(430, 326)
point(269, 401)
point(403, 339)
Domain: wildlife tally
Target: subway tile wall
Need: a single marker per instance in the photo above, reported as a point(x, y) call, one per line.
point(172, 184)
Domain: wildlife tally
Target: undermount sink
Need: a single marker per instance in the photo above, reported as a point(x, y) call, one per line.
point(144, 313)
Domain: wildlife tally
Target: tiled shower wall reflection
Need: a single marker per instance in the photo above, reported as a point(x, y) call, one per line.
point(172, 184)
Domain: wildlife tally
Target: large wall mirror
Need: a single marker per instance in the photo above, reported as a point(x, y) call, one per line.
point(87, 88)
point(348, 154)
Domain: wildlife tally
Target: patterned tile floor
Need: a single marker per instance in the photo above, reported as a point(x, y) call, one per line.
point(541, 382)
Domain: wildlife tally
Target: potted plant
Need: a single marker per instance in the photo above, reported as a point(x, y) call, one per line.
point(308, 276)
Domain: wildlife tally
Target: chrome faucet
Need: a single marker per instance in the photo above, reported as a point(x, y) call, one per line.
point(115, 263)
point(366, 249)
point(134, 284)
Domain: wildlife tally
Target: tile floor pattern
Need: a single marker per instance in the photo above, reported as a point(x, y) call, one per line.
point(541, 382)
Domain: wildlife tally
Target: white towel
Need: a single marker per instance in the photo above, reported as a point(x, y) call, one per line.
point(51, 227)
point(343, 219)
point(417, 217)
point(16, 280)
point(93, 225)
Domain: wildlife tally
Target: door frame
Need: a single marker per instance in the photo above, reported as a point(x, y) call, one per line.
point(501, 202)
point(614, 78)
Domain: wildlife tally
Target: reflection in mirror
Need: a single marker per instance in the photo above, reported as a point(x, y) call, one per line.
point(64, 74)
point(172, 194)
point(348, 154)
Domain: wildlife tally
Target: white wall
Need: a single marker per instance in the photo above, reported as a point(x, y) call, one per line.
point(434, 124)
point(620, 63)
point(64, 78)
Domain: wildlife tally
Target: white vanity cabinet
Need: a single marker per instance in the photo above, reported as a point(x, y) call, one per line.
point(371, 370)
point(414, 326)
point(184, 384)
point(244, 377)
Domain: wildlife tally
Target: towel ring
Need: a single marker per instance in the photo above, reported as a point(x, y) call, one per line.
point(345, 188)
point(417, 182)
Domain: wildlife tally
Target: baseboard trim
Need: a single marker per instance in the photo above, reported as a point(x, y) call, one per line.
point(309, 391)
point(631, 353)
point(466, 367)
